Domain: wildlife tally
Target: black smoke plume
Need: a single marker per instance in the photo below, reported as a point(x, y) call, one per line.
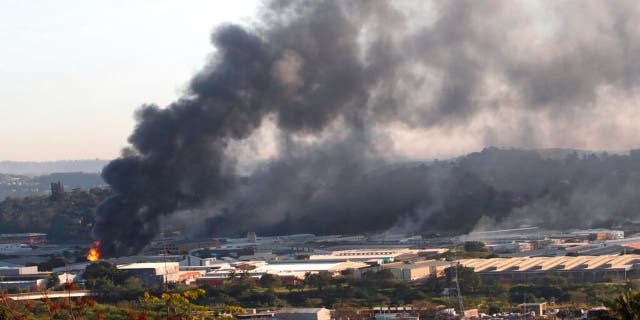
point(335, 78)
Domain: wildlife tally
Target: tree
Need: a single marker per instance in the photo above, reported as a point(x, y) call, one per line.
point(318, 280)
point(433, 285)
point(556, 281)
point(626, 306)
point(233, 275)
point(384, 274)
point(270, 281)
point(468, 280)
point(176, 305)
point(67, 219)
point(54, 262)
point(103, 270)
point(474, 246)
point(52, 280)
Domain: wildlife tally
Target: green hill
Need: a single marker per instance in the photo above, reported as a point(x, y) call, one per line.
point(67, 219)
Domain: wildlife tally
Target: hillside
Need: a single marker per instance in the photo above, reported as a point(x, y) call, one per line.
point(492, 188)
point(32, 168)
point(12, 185)
point(68, 219)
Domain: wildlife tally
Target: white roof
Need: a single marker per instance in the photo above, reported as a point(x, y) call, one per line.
point(285, 267)
point(148, 265)
point(301, 310)
point(307, 267)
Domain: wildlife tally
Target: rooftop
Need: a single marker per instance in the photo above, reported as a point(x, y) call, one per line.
point(301, 310)
point(563, 263)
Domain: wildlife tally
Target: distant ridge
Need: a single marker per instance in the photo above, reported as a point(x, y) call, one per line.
point(13, 185)
point(561, 153)
point(32, 168)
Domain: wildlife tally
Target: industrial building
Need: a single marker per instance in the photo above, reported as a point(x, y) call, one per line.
point(367, 254)
point(538, 308)
point(410, 271)
point(153, 273)
point(289, 272)
point(22, 277)
point(581, 268)
point(303, 314)
point(172, 245)
point(25, 238)
point(289, 313)
point(509, 247)
point(193, 261)
point(298, 267)
point(505, 235)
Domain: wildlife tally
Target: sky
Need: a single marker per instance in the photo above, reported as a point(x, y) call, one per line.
point(73, 72)
point(538, 74)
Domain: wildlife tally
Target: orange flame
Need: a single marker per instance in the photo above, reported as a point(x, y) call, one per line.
point(94, 253)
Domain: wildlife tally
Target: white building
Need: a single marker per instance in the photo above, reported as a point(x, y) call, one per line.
point(304, 314)
point(153, 272)
point(193, 261)
point(366, 254)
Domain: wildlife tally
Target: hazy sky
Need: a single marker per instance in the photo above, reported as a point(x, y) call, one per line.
point(72, 72)
point(557, 74)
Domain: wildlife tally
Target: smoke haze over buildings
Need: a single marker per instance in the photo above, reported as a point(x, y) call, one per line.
point(331, 87)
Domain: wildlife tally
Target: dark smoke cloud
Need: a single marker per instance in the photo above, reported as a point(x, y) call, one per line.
point(332, 76)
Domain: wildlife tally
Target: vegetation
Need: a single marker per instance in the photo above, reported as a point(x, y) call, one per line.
point(467, 279)
point(121, 296)
point(626, 306)
point(474, 246)
point(112, 284)
point(68, 219)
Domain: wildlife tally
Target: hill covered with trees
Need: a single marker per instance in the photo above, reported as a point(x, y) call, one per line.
point(12, 185)
point(67, 218)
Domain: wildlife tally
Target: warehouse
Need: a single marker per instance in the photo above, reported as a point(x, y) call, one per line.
point(581, 268)
point(367, 254)
point(410, 271)
point(153, 273)
point(16, 276)
point(289, 272)
point(304, 314)
point(26, 238)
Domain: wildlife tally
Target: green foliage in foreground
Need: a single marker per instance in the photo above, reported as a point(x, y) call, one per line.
point(626, 306)
point(374, 289)
point(124, 298)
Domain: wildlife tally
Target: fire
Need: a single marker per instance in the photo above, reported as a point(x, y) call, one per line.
point(94, 253)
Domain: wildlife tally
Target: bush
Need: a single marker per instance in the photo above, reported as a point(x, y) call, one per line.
point(270, 281)
point(474, 246)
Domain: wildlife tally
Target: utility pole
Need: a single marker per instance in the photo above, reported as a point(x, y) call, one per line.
point(459, 294)
point(455, 270)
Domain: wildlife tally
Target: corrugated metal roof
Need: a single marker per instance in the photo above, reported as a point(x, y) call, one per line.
point(547, 263)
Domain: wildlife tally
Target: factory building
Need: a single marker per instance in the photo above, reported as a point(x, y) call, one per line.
point(17, 276)
point(410, 271)
point(581, 268)
point(509, 247)
point(387, 254)
point(538, 308)
point(289, 272)
point(169, 245)
point(26, 238)
point(505, 235)
point(153, 273)
point(289, 313)
point(193, 261)
point(304, 267)
point(303, 314)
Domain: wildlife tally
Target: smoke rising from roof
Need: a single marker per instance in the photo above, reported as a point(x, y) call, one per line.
point(333, 77)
